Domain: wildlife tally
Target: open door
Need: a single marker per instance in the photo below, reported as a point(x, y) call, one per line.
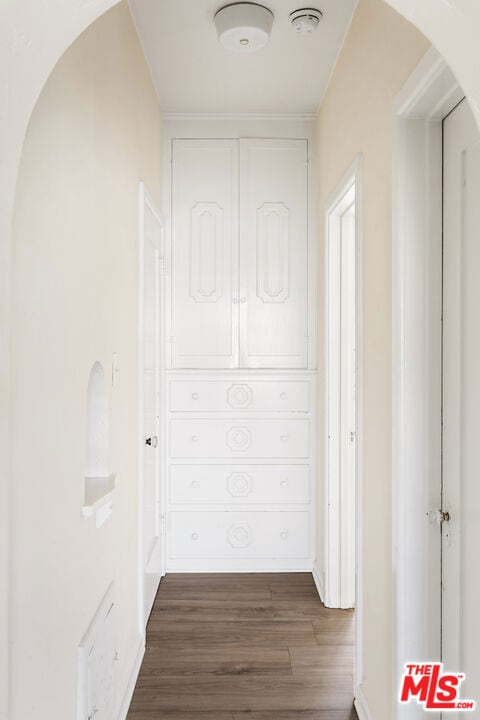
point(151, 451)
point(460, 514)
point(340, 386)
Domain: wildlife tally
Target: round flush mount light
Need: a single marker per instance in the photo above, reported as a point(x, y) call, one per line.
point(244, 27)
point(306, 20)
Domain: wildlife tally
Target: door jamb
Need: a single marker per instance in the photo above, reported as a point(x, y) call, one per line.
point(354, 176)
point(429, 94)
point(146, 201)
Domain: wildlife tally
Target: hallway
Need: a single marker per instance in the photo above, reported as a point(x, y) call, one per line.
point(237, 646)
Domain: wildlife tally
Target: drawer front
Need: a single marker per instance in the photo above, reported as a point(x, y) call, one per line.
point(227, 535)
point(204, 438)
point(239, 484)
point(253, 396)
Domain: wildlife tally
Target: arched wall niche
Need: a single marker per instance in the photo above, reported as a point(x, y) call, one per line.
point(96, 431)
point(99, 482)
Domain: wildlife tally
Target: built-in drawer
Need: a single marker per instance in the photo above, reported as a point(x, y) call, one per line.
point(254, 396)
point(239, 484)
point(220, 438)
point(226, 535)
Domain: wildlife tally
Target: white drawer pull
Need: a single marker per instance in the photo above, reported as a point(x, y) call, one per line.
point(284, 535)
point(283, 396)
point(194, 438)
point(284, 438)
point(235, 301)
point(195, 536)
point(195, 396)
point(243, 300)
point(195, 483)
point(284, 484)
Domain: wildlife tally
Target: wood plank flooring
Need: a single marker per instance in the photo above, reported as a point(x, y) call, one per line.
point(245, 647)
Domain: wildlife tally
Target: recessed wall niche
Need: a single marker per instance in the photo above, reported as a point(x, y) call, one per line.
point(99, 482)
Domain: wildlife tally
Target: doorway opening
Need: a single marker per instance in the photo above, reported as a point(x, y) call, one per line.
point(340, 394)
point(434, 361)
point(151, 394)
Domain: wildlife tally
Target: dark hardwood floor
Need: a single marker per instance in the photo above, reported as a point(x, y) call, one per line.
point(245, 647)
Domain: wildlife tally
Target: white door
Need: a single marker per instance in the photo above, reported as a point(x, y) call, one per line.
point(461, 400)
point(152, 545)
point(273, 253)
point(340, 402)
point(204, 254)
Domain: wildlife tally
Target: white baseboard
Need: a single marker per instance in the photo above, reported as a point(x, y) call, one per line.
point(317, 577)
point(127, 699)
point(361, 704)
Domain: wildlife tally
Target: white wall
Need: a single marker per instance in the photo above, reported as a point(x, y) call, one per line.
point(94, 133)
point(380, 52)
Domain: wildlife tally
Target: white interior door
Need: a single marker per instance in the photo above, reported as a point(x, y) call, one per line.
point(205, 254)
point(153, 545)
point(461, 399)
point(273, 253)
point(340, 403)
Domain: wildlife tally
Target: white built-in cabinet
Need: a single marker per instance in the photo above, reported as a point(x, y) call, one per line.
point(240, 484)
point(239, 259)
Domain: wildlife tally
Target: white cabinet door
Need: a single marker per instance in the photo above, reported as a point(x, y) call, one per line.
point(205, 254)
point(273, 257)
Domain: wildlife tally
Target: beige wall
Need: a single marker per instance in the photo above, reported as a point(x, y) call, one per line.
point(380, 52)
point(95, 132)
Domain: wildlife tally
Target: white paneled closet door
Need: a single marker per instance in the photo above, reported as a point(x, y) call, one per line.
point(273, 253)
point(205, 254)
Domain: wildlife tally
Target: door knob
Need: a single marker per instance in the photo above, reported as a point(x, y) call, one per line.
point(153, 441)
point(438, 516)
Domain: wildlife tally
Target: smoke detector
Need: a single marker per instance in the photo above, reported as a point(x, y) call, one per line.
point(306, 20)
point(244, 27)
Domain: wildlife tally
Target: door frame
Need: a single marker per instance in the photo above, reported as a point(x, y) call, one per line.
point(145, 201)
point(354, 176)
point(333, 514)
point(428, 96)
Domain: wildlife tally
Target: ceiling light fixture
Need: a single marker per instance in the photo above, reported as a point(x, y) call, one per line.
point(244, 27)
point(306, 20)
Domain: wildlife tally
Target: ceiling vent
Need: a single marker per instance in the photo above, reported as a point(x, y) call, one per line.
point(244, 27)
point(306, 20)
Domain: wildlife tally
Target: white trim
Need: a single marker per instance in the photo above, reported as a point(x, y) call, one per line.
point(429, 94)
point(240, 117)
point(358, 168)
point(145, 201)
point(137, 664)
point(334, 521)
point(352, 177)
point(361, 705)
point(318, 580)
